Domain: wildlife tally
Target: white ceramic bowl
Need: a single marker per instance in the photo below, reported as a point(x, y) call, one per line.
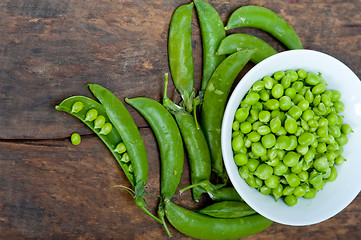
point(336, 195)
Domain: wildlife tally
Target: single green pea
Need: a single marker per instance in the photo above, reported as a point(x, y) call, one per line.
point(252, 164)
point(313, 123)
point(275, 124)
point(280, 169)
point(288, 190)
point(308, 157)
point(264, 95)
point(303, 90)
point(244, 172)
point(340, 160)
point(291, 159)
point(304, 125)
point(339, 120)
point(321, 147)
point(251, 98)
point(242, 114)
point(293, 75)
point(125, 158)
point(320, 186)
point(130, 168)
point(285, 103)
point(301, 149)
point(299, 191)
point(236, 133)
point(299, 131)
point(309, 96)
point(311, 193)
point(339, 106)
point(237, 143)
point(305, 139)
point(75, 138)
point(258, 106)
point(315, 178)
point(277, 191)
point(251, 181)
point(321, 164)
point(264, 171)
point(278, 75)
point(272, 181)
point(245, 127)
point(286, 81)
point(322, 131)
point(256, 125)
point(99, 122)
point(334, 131)
point(325, 99)
point(307, 115)
point(106, 129)
point(272, 104)
point(303, 175)
point(91, 115)
point(290, 125)
point(319, 88)
point(307, 165)
point(346, 129)
point(293, 180)
point(76, 107)
point(277, 91)
point(326, 173)
point(295, 112)
point(293, 143)
point(268, 140)
point(264, 116)
point(303, 104)
point(323, 122)
point(314, 143)
point(283, 142)
point(302, 73)
point(333, 174)
point(258, 149)
point(258, 86)
point(120, 148)
point(265, 190)
point(240, 159)
point(263, 130)
point(336, 95)
point(312, 79)
point(268, 82)
point(247, 142)
point(297, 85)
point(291, 93)
point(254, 136)
point(316, 100)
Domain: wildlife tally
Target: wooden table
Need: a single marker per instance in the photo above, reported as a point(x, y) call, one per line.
point(49, 50)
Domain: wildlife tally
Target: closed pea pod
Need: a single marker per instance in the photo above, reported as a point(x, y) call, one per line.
point(180, 53)
point(201, 226)
point(267, 20)
point(227, 209)
point(212, 34)
point(214, 103)
point(240, 41)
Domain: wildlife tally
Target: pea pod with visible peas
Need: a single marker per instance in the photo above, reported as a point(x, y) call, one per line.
point(239, 41)
point(213, 32)
point(79, 106)
point(266, 20)
point(180, 53)
point(195, 143)
point(200, 226)
point(214, 103)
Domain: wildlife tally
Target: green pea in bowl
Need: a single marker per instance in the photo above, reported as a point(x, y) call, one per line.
point(333, 195)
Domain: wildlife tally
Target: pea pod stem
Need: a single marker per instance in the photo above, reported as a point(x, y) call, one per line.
point(215, 99)
point(180, 53)
point(201, 226)
point(266, 20)
point(194, 140)
point(239, 41)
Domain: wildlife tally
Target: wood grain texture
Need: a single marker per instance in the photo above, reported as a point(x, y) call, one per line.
point(50, 49)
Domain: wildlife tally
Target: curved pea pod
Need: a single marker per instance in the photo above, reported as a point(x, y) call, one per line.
point(169, 142)
point(200, 226)
point(215, 99)
point(227, 209)
point(239, 41)
point(180, 53)
point(213, 32)
point(266, 20)
point(110, 140)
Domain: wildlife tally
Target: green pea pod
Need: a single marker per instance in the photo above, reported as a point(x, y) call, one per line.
point(266, 20)
point(110, 140)
point(200, 226)
point(169, 142)
point(212, 33)
point(227, 209)
point(215, 99)
point(239, 41)
point(180, 53)
point(195, 143)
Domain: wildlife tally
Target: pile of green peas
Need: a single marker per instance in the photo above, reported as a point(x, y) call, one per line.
point(288, 135)
point(103, 128)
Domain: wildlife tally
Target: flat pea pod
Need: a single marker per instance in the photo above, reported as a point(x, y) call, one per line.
point(200, 226)
point(227, 209)
point(110, 140)
point(214, 103)
point(213, 32)
point(169, 141)
point(180, 53)
point(266, 20)
point(195, 143)
point(239, 41)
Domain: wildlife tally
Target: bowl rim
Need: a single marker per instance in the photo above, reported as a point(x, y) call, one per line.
point(229, 116)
